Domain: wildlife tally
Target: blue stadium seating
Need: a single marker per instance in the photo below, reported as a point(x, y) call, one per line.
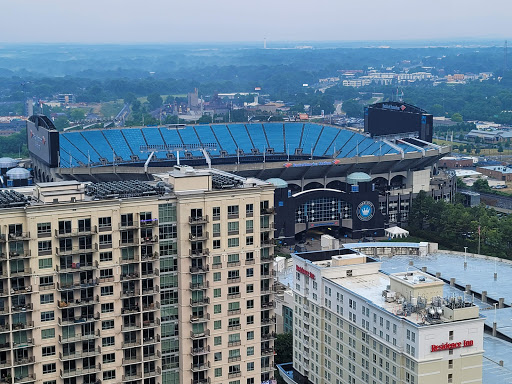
point(118, 142)
point(325, 140)
point(135, 140)
point(188, 136)
point(83, 146)
point(293, 133)
point(258, 136)
point(206, 135)
point(224, 138)
point(171, 136)
point(310, 136)
point(70, 149)
point(275, 136)
point(242, 140)
point(100, 143)
point(153, 137)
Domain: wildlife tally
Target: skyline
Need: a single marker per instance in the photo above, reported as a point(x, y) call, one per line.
point(158, 21)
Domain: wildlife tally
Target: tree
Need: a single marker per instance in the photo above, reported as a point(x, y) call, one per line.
point(481, 185)
point(500, 148)
point(457, 117)
point(460, 183)
point(353, 108)
point(129, 98)
point(437, 110)
point(61, 122)
point(76, 114)
point(284, 348)
point(155, 100)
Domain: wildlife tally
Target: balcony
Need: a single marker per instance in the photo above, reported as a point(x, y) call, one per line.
point(3, 256)
point(199, 252)
point(46, 287)
point(79, 354)
point(200, 269)
point(198, 237)
point(80, 285)
point(79, 337)
point(130, 327)
point(88, 248)
point(199, 351)
point(22, 307)
point(267, 368)
point(76, 232)
point(134, 259)
point(268, 273)
point(5, 346)
point(5, 364)
point(79, 302)
point(233, 263)
point(24, 361)
point(234, 359)
point(268, 257)
point(201, 285)
point(19, 236)
point(217, 266)
point(149, 240)
point(267, 242)
point(235, 374)
point(233, 296)
point(153, 273)
point(200, 367)
point(4, 310)
point(269, 304)
point(130, 276)
point(78, 320)
point(129, 225)
point(123, 243)
point(233, 280)
point(20, 254)
point(198, 219)
point(151, 307)
point(2, 238)
point(31, 377)
point(234, 327)
point(148, 223)
point(4, 328)
point(79, 371)
point(249, 261)
point(131, 360)
point(151, 323)
point(151, 290)
point(77, 267)
point(234, 312)
point(155, 372)
point(151, 340)
point(268, 336)
point(20, 326)
point(128, 310)
point(268, 320)
point(268, 211)
point(130, 293)
point(132, 377)
point(23, 344)
point(267, 351)
point(200, 335)
point(199, 302)
point(131, 344)
point(234, 343)
point(200, 381)
point(150, 256)
point(199, 318)
point(152, 356)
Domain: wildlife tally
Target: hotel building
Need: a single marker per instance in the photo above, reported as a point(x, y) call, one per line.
point(354, 323)
point(138, 282)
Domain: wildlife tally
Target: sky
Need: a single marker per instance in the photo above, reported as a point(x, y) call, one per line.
point(173, 21)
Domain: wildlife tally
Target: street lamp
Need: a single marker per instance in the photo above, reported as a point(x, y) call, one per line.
point(465, 255)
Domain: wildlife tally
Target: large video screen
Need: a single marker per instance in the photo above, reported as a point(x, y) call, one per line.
point(386, 122)
point(43, 144)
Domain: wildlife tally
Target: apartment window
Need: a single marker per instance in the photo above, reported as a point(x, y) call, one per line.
point(107, 307)
point(450, 378)
point(167, 213)
point(250, 351)
point(249, 209)
point(50, 382)
point(217, 340)
point(249, 256)
point(217, 356)
point(47, 316)
point(233, 228)
point(450, 335)
point(109, 358)
point(217, 324)
point(48, 333)
point(233, 274)
point(233, 258)
point(105, 256)
point(84, 225)
point(250, 366)
point(64, 227)
point(105, 239)
point(249, 240)
point(250, 335)
point(249, 288)
point(49, 368)
point(233, 242)
point(232, 211)
point(48, 351)
point(218, 372)
point(107, 291)
point(168, 231)
point(108, 341)
point(217, 308)
point(46, 298)
point(104, 222)
point(107, 324)
point(450, 364)
point(217, 276)
point(216, 244)
point(45, 281)
point(250, 319)
point(216, 213)
point(217, 292)
point(45, 263)
point(216, 230)
point(249, 272)
point(109, 375)
point(44, 246)
point(44, 229)
point(250, 304)
point(106, 273)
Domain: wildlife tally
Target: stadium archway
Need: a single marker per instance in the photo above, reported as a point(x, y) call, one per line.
point(313, 185)
point(337, 184)
point(381, 183)
point(397, 182)
point(294, 188)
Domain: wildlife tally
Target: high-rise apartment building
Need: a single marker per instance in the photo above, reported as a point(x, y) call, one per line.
point(135, 282)
point(355, 324)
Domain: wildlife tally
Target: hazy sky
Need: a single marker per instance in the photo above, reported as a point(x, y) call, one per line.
point(126, 21)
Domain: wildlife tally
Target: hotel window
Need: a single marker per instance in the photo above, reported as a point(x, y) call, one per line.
point(47, 316)
point(109, 375)
point(44, 229)
point(48, 351)
point(450, 335)
point(216, 230)
point(233, 242)
point(232, 211)
point(49, 368)
point(216, 213)
point(249, 209)
point(216, 244)
point(109, 358)
point(105, 256)
point(105, 222)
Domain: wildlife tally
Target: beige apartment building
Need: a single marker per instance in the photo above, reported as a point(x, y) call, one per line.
point(354, 323)
point(138, 282)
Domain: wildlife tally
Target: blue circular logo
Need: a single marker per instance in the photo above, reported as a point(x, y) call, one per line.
point(365, 210)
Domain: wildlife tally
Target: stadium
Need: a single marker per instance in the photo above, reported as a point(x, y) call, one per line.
point(309, 163)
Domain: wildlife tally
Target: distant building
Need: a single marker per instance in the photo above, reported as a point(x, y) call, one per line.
point(498, 172)
point(12, 125)
point(470, 199)
point(29, 107)
point(456, 162)
point(66, 98)
point(193, 100)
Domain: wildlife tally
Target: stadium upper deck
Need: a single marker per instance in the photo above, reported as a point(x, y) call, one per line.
point(248, 142)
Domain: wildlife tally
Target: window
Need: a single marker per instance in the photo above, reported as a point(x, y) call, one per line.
point(106, 273)
point(107, 324)
point(107, 307)
point(45, 263)
point(218, 372)
point(232, 211)
point(217, 276)
point(450, 335)
point(250, 335)
point(217, 292)
point(234, 258)
point(104, 222)
point(233, 242)
point(216, 244)
point(250, 351)
point(250, 304)
point(217, 308)
point(249, 288)
point(105, 256)
point(109, 375)
point(105, 240)
point(249, 256)
point(233, 228)
point(109, 358)
point(167, 213)
point(46, 298)
point(45, 281)
point(84, 225)
point(249, 226)
point(250, 366)
point(250, 319)
point(249, 240)
point(108, 341)
point(217, 356)
point(217, 340)
point(44, 247)
point(107, 291)
point(47, 316)
point(44, 229)
point(216, 213)
point(216, 230)
point(249, 272)
point(48, 351)
point(217, 324)
point(249, 209)
point(48, 333)
point(49, 368)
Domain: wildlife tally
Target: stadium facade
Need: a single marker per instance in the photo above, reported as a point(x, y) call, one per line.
point(310, 163)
